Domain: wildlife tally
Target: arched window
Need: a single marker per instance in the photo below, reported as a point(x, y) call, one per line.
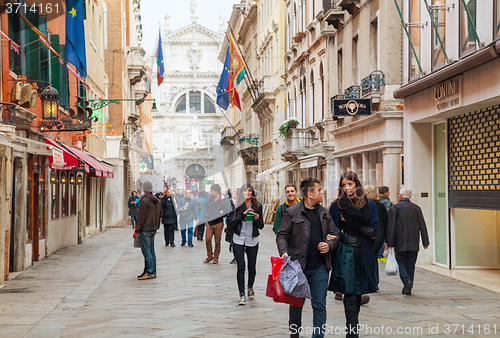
point(181, 105)
point(321, 78)
point(194, 102)
point(312, 98)
point(209, 106)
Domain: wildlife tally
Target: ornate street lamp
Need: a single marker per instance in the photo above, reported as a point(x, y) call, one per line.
point(50, 103)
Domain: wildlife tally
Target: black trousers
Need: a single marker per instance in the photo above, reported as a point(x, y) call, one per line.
point(239, 254)
point(168, 233)
point(352, 303)
point(406, 262)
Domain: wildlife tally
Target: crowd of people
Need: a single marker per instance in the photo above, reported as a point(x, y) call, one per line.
point(337, 248)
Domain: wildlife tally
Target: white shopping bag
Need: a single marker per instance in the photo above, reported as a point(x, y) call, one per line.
point(391, 267)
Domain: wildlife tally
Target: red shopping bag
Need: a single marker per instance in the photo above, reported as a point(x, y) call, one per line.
point(274, 289)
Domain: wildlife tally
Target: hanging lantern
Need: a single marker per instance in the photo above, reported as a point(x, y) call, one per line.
point(50, 103)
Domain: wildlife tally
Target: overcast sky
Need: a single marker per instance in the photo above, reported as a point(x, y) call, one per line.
point(153, 12)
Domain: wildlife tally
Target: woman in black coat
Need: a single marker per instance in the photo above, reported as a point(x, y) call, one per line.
point(353, 269)
point(245, 227)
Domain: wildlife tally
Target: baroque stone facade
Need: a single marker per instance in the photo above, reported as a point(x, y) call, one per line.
point(187, 125)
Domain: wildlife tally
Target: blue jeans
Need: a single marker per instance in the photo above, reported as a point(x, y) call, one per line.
point(318, 282)
point(148, 251)
point(134, 221)
point(190, 232)
point(406, 263)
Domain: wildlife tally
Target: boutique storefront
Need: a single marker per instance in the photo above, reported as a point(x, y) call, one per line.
point(452, 153)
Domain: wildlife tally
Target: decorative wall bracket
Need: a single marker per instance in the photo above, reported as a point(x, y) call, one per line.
point(250, 140)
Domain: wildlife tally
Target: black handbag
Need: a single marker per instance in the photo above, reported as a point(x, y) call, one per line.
point(348, 238)
point(369, 232)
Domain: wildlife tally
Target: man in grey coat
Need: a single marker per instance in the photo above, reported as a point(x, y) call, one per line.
point(406, 225)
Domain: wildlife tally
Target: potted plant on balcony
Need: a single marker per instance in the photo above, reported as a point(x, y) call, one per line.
point(286, 126)
point(298, 37)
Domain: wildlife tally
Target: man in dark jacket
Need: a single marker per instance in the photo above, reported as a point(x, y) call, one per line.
point(302, 237)
point(188, 212)
point(216, 210)
point(148, 215)
point(169, 218)
point(405, 226)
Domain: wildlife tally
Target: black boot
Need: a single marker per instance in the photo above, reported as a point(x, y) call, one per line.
point(351, 308)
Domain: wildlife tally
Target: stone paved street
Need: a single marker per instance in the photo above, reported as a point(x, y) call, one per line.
point(92, 290)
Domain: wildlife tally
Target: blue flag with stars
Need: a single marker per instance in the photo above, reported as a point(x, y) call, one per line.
point(222, 94)
point(75, 36)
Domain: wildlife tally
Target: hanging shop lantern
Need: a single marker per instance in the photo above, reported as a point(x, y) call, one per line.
point(50, 103)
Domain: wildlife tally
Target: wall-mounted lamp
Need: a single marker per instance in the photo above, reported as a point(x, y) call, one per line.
point(79, 178)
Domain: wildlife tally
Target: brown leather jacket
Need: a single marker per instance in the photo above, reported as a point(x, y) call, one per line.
point(293, 235)
point(149, 214)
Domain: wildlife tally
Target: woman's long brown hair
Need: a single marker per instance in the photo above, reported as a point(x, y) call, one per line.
point(241, 200)
point(359, 200)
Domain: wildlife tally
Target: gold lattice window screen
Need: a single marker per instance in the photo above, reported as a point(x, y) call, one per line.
point(474, 150)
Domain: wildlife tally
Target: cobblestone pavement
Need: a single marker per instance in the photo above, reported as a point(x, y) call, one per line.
point(91, 290)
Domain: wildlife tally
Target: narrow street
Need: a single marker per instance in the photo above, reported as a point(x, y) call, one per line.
point(91, 290)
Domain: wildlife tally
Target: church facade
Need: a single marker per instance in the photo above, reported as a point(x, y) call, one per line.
point(187, 125)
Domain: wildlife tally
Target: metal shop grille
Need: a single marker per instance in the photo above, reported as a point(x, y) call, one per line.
point(474, 155)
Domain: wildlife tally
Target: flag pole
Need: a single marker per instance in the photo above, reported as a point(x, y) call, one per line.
point(245, 61)
point(228, 119)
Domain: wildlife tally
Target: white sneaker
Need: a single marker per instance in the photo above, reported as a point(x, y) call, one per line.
point(242, 300)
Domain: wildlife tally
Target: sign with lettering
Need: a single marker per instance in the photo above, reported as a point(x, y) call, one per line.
point(351, 107)
point(57, 158)
point(447, 94)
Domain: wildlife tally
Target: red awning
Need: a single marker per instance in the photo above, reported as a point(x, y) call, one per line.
point(92, 166)
point(64, 160)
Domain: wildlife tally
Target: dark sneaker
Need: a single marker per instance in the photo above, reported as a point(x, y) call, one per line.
point(190, 245)
point(242, 300)
point(365, 299)
point(251, 294)
point(182, 244)
point(407, 288)
point(172, 245)
point(233, 261)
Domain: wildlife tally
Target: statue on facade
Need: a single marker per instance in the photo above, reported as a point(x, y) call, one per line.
point(223, 22)
point(167, 21)
point(193, 7)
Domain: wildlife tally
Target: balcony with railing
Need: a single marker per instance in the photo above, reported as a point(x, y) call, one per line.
point(369, 88)
point(333, 14)
point(296, 143)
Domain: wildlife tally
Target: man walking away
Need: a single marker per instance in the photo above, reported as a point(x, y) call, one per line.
point(217, 209)
point(169, 218)
point(383, 197)
point(406, 225)
point(188, 212)
point(302, 236)
point(291, 199)
point(148, 215)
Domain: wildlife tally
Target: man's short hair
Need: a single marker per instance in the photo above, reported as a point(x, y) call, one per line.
point(383, 189)
point(308, 185)
point(290, 186)
point(147, 187)
point(405, 192)
point(216, 188)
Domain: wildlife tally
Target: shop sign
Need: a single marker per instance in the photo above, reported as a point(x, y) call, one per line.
point(447, 95)
point(351, 107)
point(57, 158)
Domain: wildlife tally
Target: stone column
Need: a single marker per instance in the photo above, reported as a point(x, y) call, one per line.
point(365, 171)
point(354, 166)
point(372, 164)
point(392, 168)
